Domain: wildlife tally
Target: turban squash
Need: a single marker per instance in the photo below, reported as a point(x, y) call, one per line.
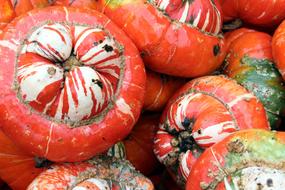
point(200, 114)
point(249, 61)
point(72, 83)
point(179, 38)
point(102, 172)
point(248, 159)
point(18, 168)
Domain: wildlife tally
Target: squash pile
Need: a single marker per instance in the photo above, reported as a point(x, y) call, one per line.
point(142, 94)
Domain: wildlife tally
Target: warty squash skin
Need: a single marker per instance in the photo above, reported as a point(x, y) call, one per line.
point(102, 172)
point(248, 159)
point(249, 61)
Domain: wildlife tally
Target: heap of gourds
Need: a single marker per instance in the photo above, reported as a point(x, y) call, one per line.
point(142, 94)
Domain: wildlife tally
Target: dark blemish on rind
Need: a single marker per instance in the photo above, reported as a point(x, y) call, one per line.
point(199, 132)
point(108, 48)
point(216, 49)
point(51, 71)
point(143, 53)
point(192, 19)
point(269, 182)
point(71, 2)
point(98, 82)
point(42, 162)
point(15, 4)
point(259, 186)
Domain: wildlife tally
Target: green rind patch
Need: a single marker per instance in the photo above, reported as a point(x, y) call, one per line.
point(262, 78)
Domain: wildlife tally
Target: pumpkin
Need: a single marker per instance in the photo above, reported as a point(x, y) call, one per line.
point(250, 63)
point(201, 113)
point(138, 146)
point(249, 159)
point(278, 46)
point(265, 13)
point(178, 38)
point(101, 172)
point(159, 88)
point(76, 93)
point(17, 168)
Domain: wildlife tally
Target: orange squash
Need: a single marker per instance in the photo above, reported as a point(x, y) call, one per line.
point(102, 172)
point(202, 113)
point(175, 37)
point(9, 9)
point(84, 84)
point(249, 61)
point(159, 89)
point(266, 13)
point(17, 168)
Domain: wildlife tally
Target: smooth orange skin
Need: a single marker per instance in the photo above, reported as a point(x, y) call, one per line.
point(159, 89)
point(278, 47)
point(139, 144)
point(249, 43)
point(266, 13)
point(100, 136)
point(235, 34)
point(6, 13)
point(167, 47)
point(17, 168)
